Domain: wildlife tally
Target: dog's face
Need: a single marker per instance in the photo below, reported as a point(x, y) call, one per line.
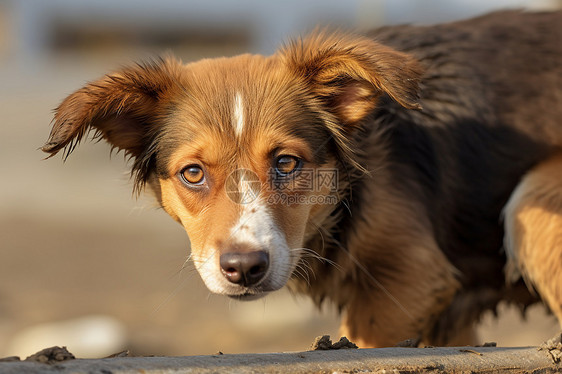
point(238, 150)
point(232, 159)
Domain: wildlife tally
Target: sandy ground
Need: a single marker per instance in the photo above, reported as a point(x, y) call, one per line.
point(75, 243)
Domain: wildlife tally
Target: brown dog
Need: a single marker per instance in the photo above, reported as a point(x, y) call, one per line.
point(397, 175)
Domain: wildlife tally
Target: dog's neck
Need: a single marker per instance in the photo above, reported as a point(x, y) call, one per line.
point(326, 235)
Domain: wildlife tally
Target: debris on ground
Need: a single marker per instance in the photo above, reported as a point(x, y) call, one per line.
point(52, 355)
point(10, 359)
point(409, 343)
point(324, 343)
point(488, 344)
point(344, 343)
point(321, 343)
point(470, 351)
point(125, 353)
point(554, 348)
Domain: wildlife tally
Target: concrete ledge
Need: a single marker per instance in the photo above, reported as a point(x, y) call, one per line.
point(382, 360)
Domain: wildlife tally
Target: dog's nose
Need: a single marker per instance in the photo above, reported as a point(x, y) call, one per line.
point(244, 268)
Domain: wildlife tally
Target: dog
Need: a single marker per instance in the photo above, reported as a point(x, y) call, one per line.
point(411, 175)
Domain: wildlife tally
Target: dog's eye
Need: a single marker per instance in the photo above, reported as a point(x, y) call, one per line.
point(193, 174)
point(285, 165)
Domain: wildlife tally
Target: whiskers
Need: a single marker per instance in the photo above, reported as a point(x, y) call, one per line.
point(185, 264)
point(309, 253)
point(304, 268)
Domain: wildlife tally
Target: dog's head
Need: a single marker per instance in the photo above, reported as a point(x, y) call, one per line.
point(238, 150)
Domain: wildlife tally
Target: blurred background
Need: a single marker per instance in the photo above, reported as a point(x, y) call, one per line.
point(86, 265)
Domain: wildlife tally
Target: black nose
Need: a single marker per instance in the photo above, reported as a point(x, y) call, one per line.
point(244, 268)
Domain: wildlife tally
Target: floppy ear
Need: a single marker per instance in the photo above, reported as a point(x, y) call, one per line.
point(121, 107)
point(348, 73)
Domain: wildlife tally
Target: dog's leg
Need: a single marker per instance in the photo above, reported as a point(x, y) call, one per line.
point(403, 303)
point(533, 227)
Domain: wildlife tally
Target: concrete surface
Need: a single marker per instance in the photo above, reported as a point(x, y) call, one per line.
point(384, 360)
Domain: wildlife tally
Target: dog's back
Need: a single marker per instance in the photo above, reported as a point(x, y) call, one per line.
point(492, 99)
point(502, 69)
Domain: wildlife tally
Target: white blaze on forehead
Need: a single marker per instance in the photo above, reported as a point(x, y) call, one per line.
point(238, 117)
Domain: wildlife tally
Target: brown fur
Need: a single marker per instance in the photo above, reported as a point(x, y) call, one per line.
point(430, 129)
point(533, 219)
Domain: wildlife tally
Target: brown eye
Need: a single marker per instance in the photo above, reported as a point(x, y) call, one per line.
point(286, 165)
point(193, 175)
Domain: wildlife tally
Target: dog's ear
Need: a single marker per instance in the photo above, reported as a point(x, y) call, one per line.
point(348, 73)
point(122, 107)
